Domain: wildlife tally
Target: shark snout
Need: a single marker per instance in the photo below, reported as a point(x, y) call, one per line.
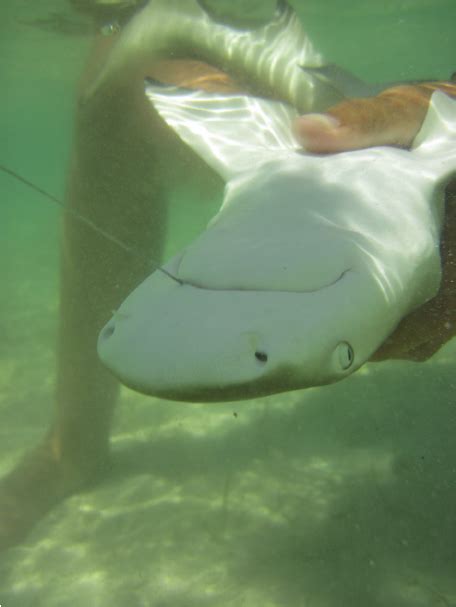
point(187, 361)
point(189, 343)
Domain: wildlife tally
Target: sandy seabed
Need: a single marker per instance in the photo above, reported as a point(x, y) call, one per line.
point(335, 497)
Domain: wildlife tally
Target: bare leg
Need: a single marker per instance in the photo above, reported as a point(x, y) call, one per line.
point(124, 159)
point(114, 181)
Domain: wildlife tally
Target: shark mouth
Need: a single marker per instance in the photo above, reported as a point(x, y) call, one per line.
point(205, 287)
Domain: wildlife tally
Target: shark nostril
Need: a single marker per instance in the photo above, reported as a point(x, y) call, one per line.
point(108, 331)
point(261, 356)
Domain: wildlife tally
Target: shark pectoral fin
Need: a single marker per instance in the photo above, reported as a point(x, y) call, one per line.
point(232, 133)
point(435, 144)
point(342, 82)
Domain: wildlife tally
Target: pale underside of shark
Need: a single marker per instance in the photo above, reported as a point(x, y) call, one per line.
point(309, 265)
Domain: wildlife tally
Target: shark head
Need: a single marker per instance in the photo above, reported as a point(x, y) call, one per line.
point(308, 266)
point(265, 300)
point(200, 344)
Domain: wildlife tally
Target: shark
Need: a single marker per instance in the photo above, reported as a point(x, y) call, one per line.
point(311, 261)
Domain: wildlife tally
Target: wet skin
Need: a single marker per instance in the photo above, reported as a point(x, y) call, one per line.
point(394, 118)
point(123, 152)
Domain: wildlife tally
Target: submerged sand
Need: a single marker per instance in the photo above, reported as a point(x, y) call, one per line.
point(335, 497)
point(339, 496)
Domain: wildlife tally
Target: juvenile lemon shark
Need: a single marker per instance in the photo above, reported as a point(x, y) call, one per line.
point(311, 261)
point(309, 265)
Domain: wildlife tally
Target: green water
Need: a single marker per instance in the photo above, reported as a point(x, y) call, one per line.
point(336, 497)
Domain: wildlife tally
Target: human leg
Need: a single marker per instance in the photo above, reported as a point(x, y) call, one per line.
point(114, 184)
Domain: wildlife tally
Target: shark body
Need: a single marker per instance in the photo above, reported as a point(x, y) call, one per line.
point(310, 263)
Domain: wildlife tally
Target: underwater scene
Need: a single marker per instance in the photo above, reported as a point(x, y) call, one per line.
point(338, 495)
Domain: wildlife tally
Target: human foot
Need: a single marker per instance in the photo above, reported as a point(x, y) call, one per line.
point(37, 484)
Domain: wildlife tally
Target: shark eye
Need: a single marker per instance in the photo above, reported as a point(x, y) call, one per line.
point(346, 355)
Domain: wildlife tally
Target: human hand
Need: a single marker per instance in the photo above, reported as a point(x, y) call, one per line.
point(392, 118)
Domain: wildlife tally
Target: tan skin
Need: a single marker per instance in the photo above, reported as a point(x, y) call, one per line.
point(124, 161)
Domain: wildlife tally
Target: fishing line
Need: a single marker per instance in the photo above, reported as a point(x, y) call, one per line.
point(85, 220)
